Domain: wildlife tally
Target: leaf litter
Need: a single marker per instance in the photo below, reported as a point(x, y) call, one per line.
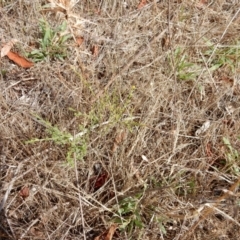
point(157, 106)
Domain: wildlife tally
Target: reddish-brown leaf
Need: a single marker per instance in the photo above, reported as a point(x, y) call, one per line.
point(79, 41)
point(142, 4)
point(24, 192)
point(98, 181)
point(107, 235)
point(21, 61)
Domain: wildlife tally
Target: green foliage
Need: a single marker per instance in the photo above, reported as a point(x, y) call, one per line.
point(185, 69)
point(224, 56)
point(131, 214)
point(232, 157)
point(3, 72)
point(76, 146)
point(52, 45)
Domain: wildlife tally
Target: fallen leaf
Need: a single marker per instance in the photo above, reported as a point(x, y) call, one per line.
point(98, 181)
point(142, 4)
point(121, 136)
point(21, 61)
point(107, 235)
point(7, 47)
point(79, 41)
point(111, 231)
point(24, 192)
point(203, 128)
point(227, 81)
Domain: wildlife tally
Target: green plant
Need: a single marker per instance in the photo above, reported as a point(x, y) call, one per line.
point(224, 56)
point(185, 70)
point(52, 44)
point(232, 156)
point(76, 145)
point(130, 212)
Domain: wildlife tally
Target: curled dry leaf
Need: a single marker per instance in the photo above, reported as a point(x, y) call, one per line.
point(98, 181)
point(121, 136)
point(142, 4)
point(24, 192)
point(21, 61)
point(107, 235)
point(7, 47)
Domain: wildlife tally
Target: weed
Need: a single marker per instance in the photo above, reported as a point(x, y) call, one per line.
point(131, 214)
point(108, 107)
point(76, 145)
point(186, 70)
point(52, 45)
point(232, 157)
point(227, 57)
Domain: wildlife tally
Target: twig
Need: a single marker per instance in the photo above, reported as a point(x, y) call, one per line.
point(129, 63)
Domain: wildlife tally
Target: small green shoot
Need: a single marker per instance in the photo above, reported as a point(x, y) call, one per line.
point(186, 70)
point(131, 214)
point(52, 45)
point(224, 56)
point(232, 156)
point(76, 146)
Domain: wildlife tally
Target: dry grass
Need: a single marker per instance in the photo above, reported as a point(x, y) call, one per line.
point(133, 116)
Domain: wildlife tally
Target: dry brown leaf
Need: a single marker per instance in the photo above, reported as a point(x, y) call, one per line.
point(7, 47)
point(107, 235)
point(111, 231)
point(142, 4)
point(121, 136)
point(21, 61)
point(79, 41)
point(24, 192)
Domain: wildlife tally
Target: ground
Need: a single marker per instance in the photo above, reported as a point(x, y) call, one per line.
point(127, 122)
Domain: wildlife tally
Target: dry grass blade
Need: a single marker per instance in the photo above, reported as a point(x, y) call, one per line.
point(213, 207)
point(3, 201)
point(130, 61)
point(127, 126)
